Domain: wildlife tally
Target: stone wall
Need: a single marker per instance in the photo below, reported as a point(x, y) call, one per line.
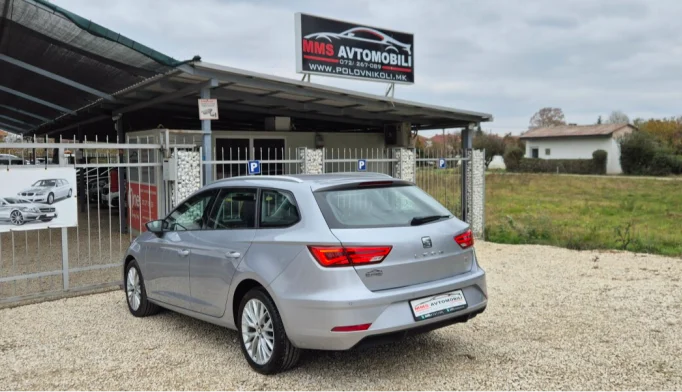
point(476, 192)
point(404, 168)
point(312, 160)
point(189, 175)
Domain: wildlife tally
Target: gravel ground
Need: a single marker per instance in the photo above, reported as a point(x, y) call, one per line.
point(557, 319)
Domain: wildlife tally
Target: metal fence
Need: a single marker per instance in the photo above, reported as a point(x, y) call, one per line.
point(439, 173)
point(39, 262)
point(120, 187)
point(344, 160)
point(233, 162)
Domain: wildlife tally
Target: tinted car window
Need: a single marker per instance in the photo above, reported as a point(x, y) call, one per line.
point(377, 207)
point(278, 209)
point(191, 214)
point(234, 209)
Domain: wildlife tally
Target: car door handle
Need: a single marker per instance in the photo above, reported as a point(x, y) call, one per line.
point(183, 253)
point(232, 254)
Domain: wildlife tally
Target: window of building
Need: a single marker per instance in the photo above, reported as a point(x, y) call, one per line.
point(547, 150)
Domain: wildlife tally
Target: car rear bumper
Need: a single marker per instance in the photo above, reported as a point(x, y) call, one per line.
point(309, 319)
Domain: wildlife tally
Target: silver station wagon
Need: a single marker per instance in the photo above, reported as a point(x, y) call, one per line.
point(327, 262)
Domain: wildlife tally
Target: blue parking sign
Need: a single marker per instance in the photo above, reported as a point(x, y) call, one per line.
point(441, 163)
point(254, 167)
point(362, 165)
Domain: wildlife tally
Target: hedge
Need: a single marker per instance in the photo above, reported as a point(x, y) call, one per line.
point(573, 166)
point(599, 159)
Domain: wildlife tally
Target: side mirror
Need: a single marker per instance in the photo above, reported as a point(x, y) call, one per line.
point(157, 227)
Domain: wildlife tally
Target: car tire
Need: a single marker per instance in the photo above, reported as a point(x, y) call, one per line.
point(50, 198)
point(70, 193)
point(136, 293)
point(284, 355)
point(17, 218)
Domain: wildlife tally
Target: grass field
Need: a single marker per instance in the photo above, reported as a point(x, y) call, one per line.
point(637, 214)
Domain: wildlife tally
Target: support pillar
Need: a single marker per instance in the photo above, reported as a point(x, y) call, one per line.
point(207, 142)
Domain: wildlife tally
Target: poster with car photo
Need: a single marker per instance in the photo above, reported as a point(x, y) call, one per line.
point(37, 198)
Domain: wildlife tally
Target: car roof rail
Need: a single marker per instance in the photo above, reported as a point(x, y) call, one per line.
point(265, 177)
point(360, 174)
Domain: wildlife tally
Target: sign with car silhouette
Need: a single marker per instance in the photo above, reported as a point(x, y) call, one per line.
point(35, 198)
point(335, 48)
point(208, 109)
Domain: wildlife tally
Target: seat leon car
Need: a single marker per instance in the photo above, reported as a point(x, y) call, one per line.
point(326, 262)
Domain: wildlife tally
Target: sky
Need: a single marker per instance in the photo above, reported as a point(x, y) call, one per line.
point(505, 57)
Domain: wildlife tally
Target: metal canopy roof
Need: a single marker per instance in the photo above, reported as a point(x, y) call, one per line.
point(60, 74)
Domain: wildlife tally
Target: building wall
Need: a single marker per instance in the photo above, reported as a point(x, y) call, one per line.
point(293, 140)
point(577, 148)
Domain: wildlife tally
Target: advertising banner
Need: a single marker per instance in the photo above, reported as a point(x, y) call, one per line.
point(335, 48)
point(37, 198)
point(143, 207)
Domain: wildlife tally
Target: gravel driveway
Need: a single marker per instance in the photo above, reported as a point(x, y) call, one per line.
point(557, 319)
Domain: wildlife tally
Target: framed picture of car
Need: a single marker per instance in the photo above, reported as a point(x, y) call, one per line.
point(37, 198)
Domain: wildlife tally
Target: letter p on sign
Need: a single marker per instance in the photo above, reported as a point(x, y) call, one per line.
point(362, 165)
point(254, 167)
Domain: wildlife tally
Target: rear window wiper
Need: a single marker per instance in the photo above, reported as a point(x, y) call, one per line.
point(420, 220)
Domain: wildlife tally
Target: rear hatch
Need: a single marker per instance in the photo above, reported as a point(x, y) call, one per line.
point(418, 230)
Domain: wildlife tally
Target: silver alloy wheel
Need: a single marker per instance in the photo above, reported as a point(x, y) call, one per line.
point(50, 198)
point(17, 218)
point(133, 289)
point(258, 332)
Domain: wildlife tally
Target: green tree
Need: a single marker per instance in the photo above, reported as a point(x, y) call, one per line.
point(493, 145)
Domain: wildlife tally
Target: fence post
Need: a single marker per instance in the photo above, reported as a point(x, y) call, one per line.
point(405, 167)
point(65, 236)
point(311, 160)
point(476, 192)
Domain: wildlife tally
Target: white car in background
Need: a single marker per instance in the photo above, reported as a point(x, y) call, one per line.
point(110, 199)
point(47, 190)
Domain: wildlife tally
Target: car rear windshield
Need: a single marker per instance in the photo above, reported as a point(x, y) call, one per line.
point(385, 206)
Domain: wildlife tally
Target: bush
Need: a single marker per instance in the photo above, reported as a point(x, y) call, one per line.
point(664, 164)
point(637, 151)
point(573, 166)
point(642, 154)
point(512, 158)
point(492, 144)
point(599, 158)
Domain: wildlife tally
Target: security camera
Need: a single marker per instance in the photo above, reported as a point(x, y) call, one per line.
point(115, 117)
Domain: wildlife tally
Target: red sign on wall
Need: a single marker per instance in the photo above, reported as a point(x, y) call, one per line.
point(143, 205)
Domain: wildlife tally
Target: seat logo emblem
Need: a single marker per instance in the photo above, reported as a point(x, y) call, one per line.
point(426, 242)
point(374, 272)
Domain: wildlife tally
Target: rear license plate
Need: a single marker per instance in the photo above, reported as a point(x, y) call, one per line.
point(438, 305)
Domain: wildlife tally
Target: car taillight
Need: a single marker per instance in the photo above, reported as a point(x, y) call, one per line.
point(339, 256)
point(465, 240)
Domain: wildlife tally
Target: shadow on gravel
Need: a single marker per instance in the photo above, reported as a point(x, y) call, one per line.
point(398, 359)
